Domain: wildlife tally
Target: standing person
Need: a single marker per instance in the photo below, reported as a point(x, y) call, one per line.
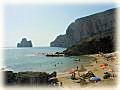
point(61, 84)
point(96, 61)
point(77, 68)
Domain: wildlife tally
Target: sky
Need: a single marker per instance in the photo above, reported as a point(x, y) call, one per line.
point(43, 23)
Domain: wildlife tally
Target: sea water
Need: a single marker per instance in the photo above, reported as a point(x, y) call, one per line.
point(34, 59)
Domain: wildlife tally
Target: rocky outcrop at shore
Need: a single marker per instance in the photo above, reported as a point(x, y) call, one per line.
point(25, 43)
point(30, 78)
point(96, 26)
point(105, 45)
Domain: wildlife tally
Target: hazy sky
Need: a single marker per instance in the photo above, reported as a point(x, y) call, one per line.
point(43, 23)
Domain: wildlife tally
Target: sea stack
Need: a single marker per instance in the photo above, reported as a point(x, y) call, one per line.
point(25, 43)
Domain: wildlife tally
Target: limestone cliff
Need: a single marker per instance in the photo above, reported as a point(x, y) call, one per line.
point(87, 28)
point(25, 43)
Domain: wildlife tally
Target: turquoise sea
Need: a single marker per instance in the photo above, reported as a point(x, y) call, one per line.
point(34, 59)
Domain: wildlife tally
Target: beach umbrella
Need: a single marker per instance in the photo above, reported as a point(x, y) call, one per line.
point(102, 67)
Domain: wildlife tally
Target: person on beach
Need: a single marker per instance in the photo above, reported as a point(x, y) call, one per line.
point(73, 76)
point(61, 84)
point(77, 68)
point(96, 61)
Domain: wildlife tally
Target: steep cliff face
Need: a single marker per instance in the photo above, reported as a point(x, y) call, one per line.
point(95, 26)
point(105, 45)
point(25, 43)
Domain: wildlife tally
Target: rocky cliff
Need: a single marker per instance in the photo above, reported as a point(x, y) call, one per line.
point(29, 78)
point(87, 28)
point(25, 43)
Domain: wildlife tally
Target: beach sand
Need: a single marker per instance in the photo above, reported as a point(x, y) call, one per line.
point(94, 66)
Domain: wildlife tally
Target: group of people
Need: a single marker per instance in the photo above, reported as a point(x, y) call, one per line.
point(90, 76)
point(53, 80)
point(108, 57)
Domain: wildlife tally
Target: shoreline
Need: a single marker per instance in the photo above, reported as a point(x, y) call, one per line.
point(94, 66)
point(58, 63)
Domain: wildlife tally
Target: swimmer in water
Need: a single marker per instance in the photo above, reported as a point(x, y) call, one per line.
point(55, 65)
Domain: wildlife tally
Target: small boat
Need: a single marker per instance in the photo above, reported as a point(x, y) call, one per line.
point(77, 60)
point(54, 55)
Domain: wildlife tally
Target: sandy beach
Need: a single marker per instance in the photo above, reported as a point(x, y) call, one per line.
point(110, 60)
point(102, 71)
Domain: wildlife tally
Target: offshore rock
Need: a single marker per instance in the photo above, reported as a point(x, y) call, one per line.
point(25, 43)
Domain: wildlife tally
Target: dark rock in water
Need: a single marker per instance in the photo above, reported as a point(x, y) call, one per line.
point(25, 43)
point(55, 55)
point(90, 34)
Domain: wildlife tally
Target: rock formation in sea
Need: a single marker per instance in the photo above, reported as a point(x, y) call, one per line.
point(95, 26)
point(25, 43)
